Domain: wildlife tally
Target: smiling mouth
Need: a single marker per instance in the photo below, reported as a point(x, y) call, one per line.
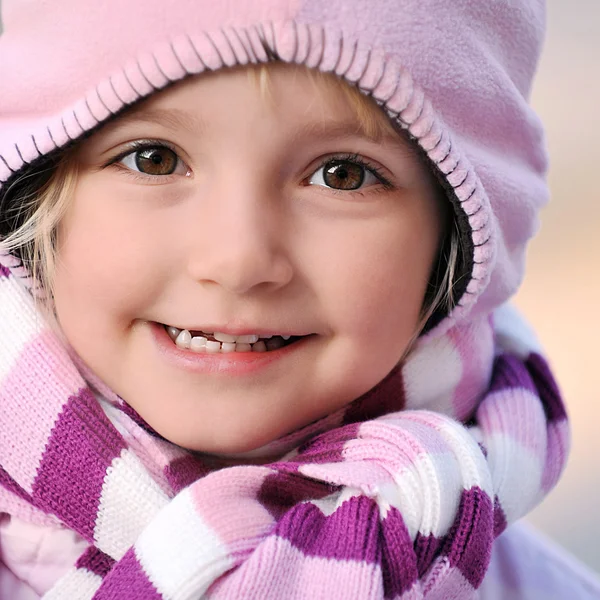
point(223, 343)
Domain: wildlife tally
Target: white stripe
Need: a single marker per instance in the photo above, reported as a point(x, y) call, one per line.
point(19, 324)
point(474, 469)
point(433, 391)
point(77, 584)
point(514, 333)
point(181, 554)
point(427, 494)
point(20, 327)
point(429, 489)
point(130, 500)
point(329, 504)
point(518, 489)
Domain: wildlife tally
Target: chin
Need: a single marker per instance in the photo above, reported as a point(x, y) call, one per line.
point(231, 442)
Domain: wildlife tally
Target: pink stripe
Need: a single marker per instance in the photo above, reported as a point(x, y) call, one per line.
point(447, 582)
point(279, 570)
point(22, 509)
point(50, 389)
point(226, 502)
point(415, 593)
point(384, 447)
point(475, 345)
point(518, 415)
point(559, 439)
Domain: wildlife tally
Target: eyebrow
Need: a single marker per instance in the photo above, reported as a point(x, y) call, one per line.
point(172, 118)
point(176, 120)
point(334, 130)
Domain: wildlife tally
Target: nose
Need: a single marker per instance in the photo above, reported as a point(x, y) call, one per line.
point(241, 245)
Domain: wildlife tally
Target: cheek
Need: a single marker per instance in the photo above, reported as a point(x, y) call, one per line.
point(376, 284)
point(105, 265)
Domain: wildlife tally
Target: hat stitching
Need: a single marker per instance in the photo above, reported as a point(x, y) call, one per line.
point(415, 99)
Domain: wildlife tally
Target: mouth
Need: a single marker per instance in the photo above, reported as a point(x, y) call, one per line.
point(216, 342)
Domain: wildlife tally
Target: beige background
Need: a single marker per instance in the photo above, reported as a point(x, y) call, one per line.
point(561, 293)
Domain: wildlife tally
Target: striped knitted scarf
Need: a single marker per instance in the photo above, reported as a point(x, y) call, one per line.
point(400, 495)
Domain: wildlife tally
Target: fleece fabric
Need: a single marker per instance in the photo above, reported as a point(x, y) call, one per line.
point(456, 75)
point(402, 493)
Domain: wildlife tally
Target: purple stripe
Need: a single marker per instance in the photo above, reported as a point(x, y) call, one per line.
point(510, 373)
point(6, 481)
point(127, 579)
point(280, 491)
point(96, 561)
point(82, 445)
point(427, 547)
point(350, 533)
point(548, 388)
point(4, 271)
point(398, 560)
point(184, 471)
point(387, 396)
point(500, 523)
point(533, 375)
point(468, 545)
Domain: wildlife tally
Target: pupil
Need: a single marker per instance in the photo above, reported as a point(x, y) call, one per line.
point(344, 175)
point(156, 161)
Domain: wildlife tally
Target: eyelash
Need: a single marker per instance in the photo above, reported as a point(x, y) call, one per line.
point(357, 159)
point(139, 145)
point(136, 146)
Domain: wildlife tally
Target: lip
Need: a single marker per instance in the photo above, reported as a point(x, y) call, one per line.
point(232, 363)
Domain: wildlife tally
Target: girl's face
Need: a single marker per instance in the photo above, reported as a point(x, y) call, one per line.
point(218, 208)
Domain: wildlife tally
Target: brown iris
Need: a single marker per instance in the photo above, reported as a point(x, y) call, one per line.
point(156, 161)
point(343, 175)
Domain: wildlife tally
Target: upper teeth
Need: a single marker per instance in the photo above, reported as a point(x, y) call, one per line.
point(242, 339)
point(224, 341)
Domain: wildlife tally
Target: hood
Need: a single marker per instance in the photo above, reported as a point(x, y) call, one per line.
point(456, 75)
point(422, 495)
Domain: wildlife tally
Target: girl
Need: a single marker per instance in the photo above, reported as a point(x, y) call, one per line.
point(254, 335)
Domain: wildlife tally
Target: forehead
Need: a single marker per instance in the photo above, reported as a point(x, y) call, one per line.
point(268, 87)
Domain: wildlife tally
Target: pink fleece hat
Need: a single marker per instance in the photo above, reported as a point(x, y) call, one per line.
point(456, 75)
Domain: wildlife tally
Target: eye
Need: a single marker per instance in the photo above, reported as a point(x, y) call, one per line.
point(154, 160)
point(344, 174)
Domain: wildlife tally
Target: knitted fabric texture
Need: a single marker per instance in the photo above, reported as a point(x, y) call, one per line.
point(402, 493)
point(395, 498)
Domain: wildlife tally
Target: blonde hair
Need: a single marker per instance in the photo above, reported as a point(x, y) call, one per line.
point(40, 211)
point(370, 119)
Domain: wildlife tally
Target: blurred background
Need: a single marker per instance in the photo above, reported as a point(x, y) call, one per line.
point(561, 293)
